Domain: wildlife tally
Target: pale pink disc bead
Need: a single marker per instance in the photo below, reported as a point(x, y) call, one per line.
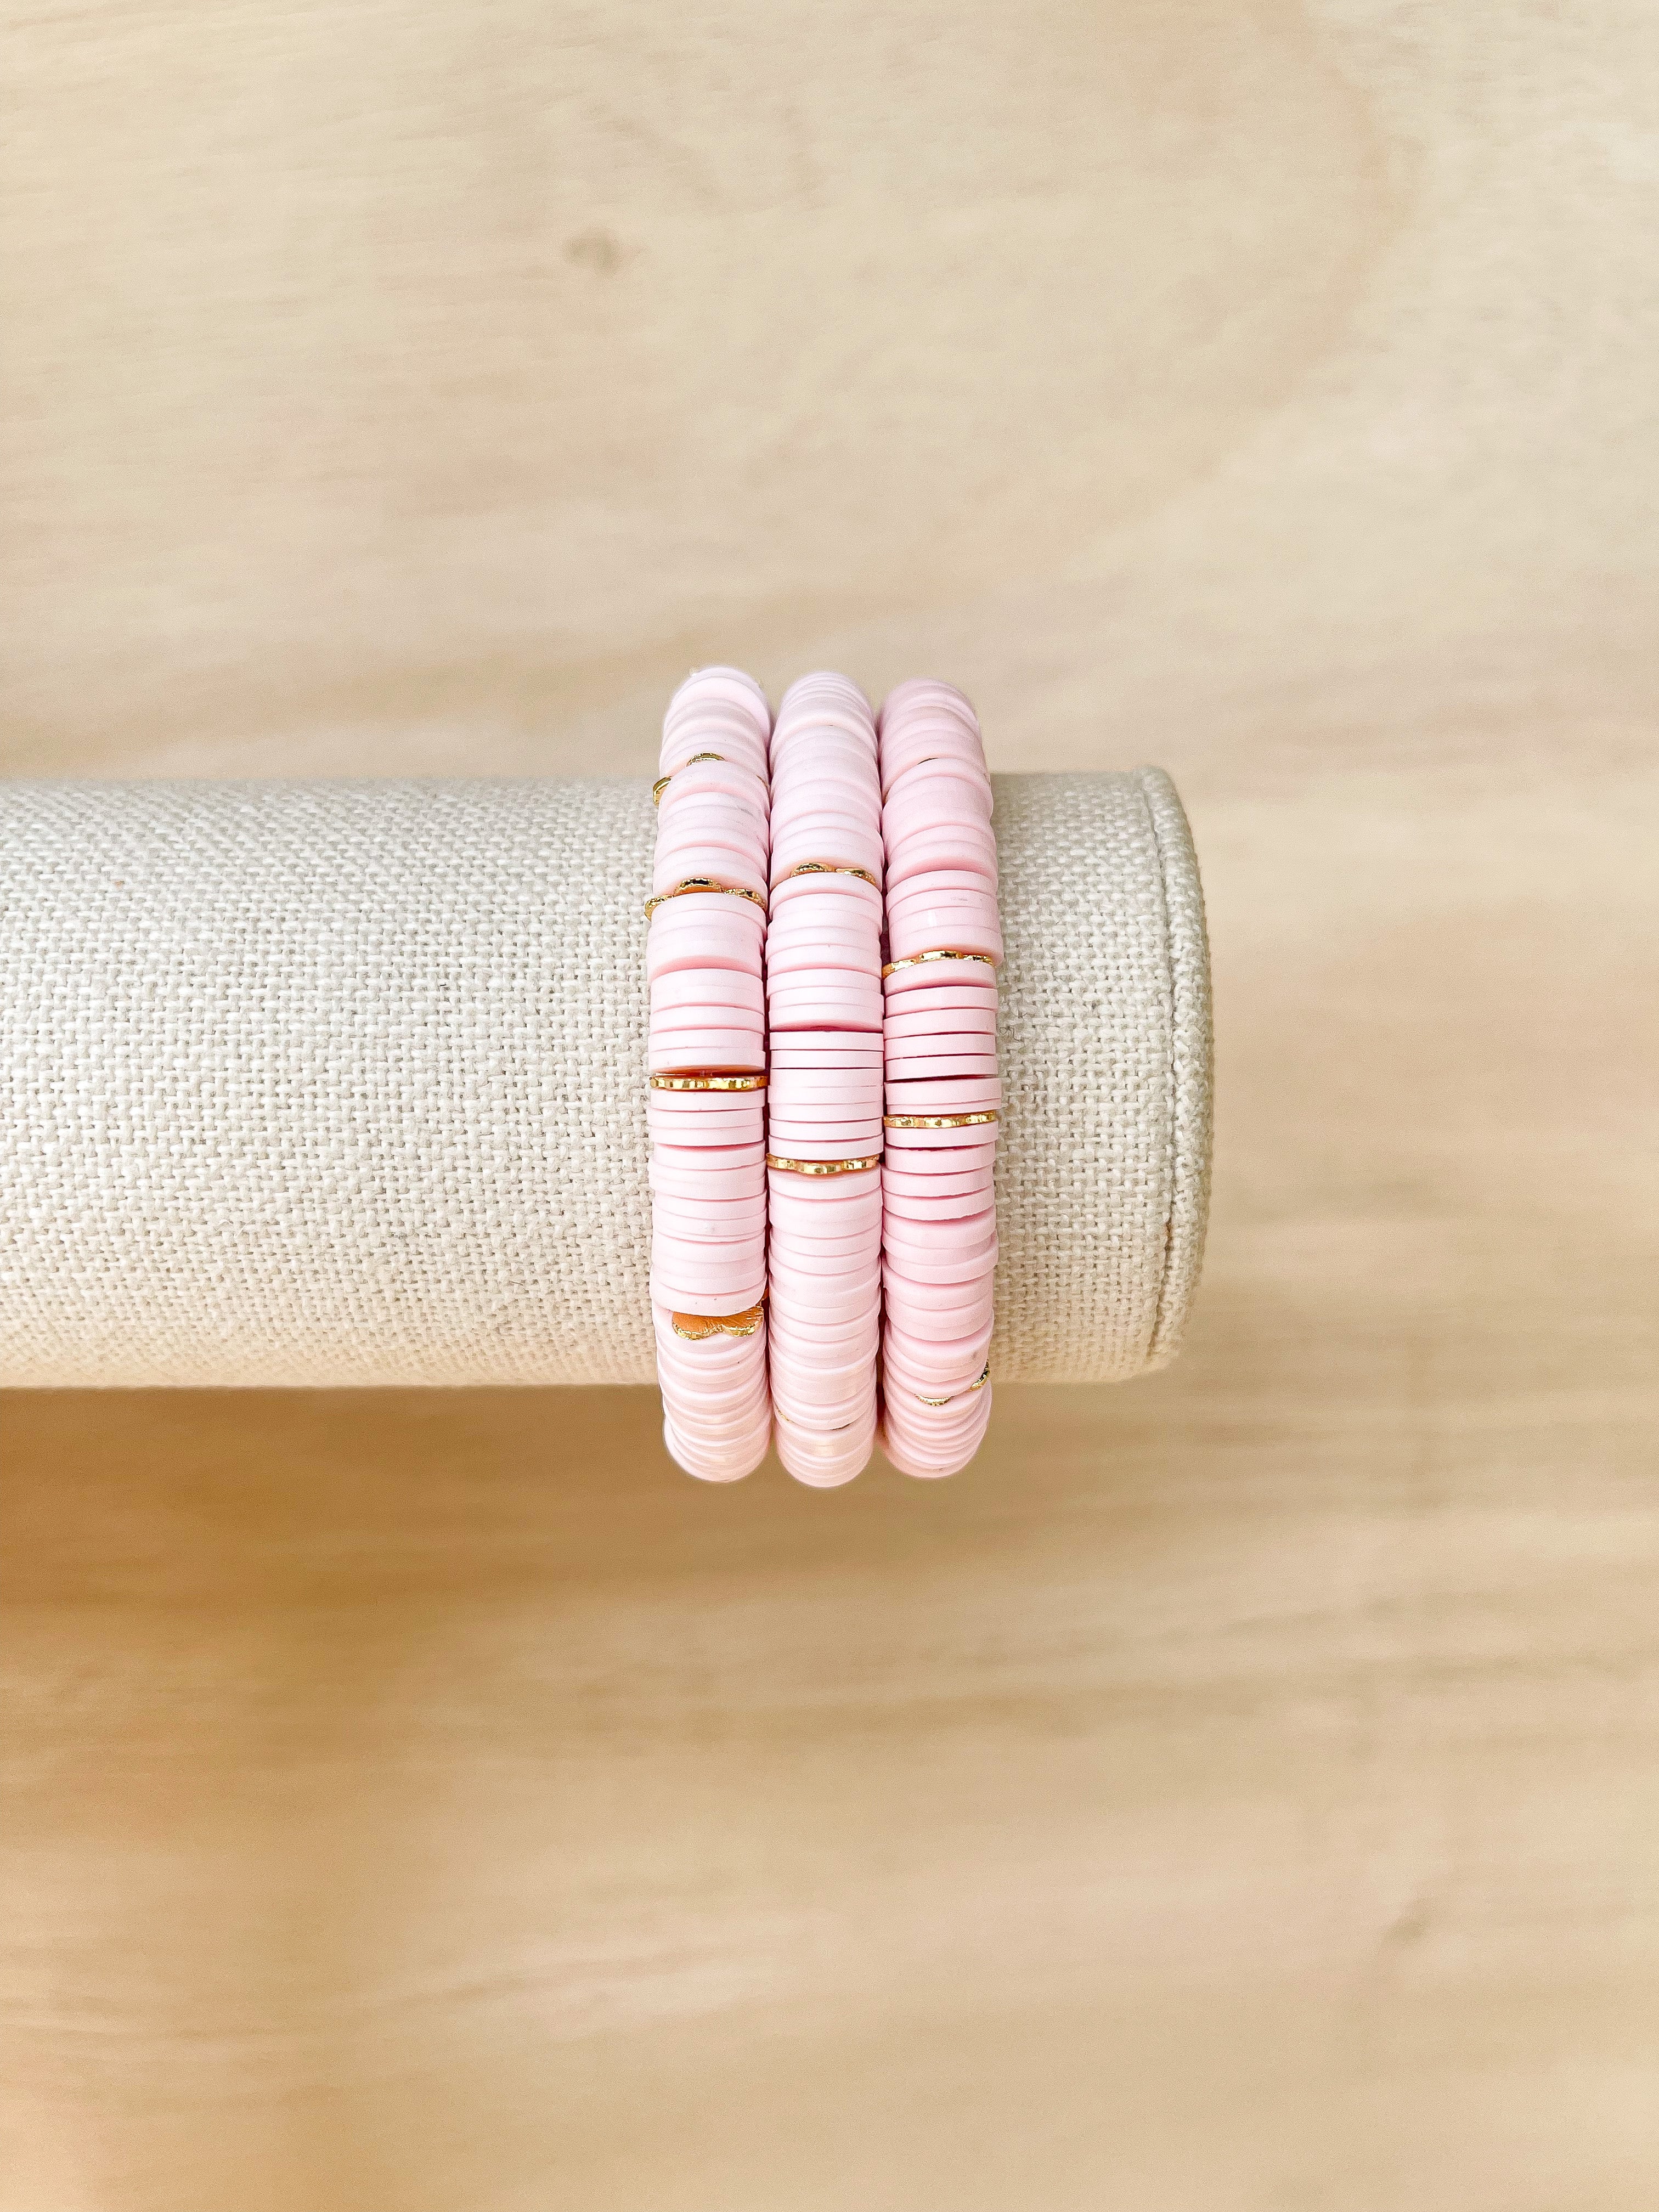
point(823, 993)
point(707, 1172)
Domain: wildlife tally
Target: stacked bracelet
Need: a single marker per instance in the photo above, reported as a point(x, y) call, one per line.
point(824, 1009)
point(942, 1092)
point(705, 1108)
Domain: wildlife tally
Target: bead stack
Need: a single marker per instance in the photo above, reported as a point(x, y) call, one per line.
point(707, 1056)
point(824, 1008)
point(942, 1092)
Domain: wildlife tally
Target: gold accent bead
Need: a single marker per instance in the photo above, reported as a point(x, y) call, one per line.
point(939, 1121)
point(831, 868)
point(824, 1167)
point(689, 884)
point(707, 1079)
point(692, 760)
point(984, 1378)
point(696, 1328)
point(943, 952)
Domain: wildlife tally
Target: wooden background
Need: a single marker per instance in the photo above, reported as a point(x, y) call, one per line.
point(1239, 1792)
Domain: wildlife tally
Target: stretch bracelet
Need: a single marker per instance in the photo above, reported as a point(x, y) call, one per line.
point(942, 1094)
point(824, 948)
point(706, 1102)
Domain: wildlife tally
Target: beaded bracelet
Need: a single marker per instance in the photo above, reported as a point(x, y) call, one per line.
point(943, 1097)
point(824, 1007)
point(706, 1096)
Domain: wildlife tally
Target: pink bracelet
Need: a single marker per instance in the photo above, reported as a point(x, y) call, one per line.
point(942, 1096)
point(826, 1092)
point(705, 1104)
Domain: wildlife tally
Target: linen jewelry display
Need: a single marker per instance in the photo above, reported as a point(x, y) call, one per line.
point(336, 1085)
point(943, 1090)
point(823, 947)
point(707, 1058)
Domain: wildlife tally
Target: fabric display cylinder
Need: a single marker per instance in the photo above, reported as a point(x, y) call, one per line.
point(344, 1083)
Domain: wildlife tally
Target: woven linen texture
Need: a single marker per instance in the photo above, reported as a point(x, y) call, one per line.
point(342, 1082)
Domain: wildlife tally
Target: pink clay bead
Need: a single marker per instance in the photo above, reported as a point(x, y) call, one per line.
point(951, 845)
point(706, 1182)
point(906, 1297)
point(727, 860)
point(944, 1044)
point(802, 1217)
point(723, 1264)
point(687, 806)
point(669, 1154)
point(805, 955)
point(967, 1313)
point(835, 1085)
point(923, 927)
point(679, 1052)
point(920, 803)
point(714, 1467)
point(924, 1021)
point(805, 1049)
point(935, 1176)
point(823, 892)
point(967, 1094)
point(713, 733)
point(949, 1206)
point(721, 779)
point(951, 784)
point(904, 1268)
point(726, 989)
point(703, 947)
point(704, 1109)
point(814, 1141)
point(933, 1239)
point(963, 1141)
point(936, 1367)
point(960, 1065)
point(937, 1170)
point(974, 980)
point(692, 1296)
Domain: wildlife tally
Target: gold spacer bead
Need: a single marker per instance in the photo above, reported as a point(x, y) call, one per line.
point(690, 884)
point(945, 952)
point(710, 1079)
point(831, 868)
point(984, 1378)
point(663, 781)
point(823, 1167)
point(939, 1121)
point(696, 1328)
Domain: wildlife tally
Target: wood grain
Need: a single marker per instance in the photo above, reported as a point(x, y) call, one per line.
point(1238, 1791)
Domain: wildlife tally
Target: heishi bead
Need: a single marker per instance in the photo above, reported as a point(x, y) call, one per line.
point(825, 1006)
point(939, 1224)
point(708, 1174)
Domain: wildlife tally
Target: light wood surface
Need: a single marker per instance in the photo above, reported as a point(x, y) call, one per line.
point(1238, 1793)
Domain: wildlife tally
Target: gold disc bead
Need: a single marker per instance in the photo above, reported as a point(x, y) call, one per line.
point(943, 952)
point(697, 1329)
point(823, 1167)
point(690, 1080)
point(690, 884)
point(984, 1378)
point(829, 868)
point(939, 1121)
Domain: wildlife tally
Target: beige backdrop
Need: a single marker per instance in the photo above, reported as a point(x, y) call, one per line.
point(1238, 1793)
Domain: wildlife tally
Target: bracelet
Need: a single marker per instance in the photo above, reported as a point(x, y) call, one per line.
point(706, 1109)
point(942, 1097)
point(824, 948)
